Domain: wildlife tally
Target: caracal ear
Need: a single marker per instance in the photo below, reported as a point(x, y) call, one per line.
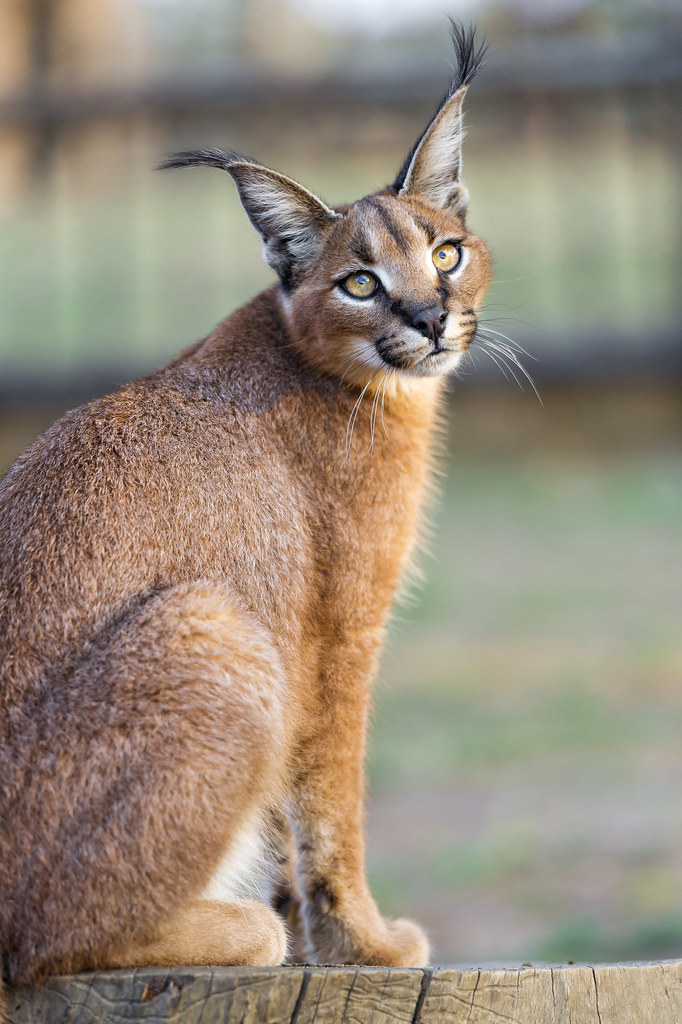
point(434, 167)
point(290, 220)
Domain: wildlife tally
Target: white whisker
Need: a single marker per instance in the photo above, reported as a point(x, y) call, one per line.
point(514, 344)
point(372, 419)
point(499, 364)
point(352, 361)
point(505, 352)
point(375, 410)
point(391, 372)
point(354, 415)
point(509, 320)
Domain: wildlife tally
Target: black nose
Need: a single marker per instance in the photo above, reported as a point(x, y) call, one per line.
point(431, 322)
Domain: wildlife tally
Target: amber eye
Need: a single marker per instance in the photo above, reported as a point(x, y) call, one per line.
point(360, 285)
point(446, 257)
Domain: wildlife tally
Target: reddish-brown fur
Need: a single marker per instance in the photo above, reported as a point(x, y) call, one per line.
point(196, 574)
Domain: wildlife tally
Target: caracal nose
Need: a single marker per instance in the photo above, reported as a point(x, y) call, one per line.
point(431, 322)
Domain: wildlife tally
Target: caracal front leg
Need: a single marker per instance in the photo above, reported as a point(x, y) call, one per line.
point(342, 921)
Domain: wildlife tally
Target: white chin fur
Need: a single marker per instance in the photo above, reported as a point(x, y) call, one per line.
point(436, 364)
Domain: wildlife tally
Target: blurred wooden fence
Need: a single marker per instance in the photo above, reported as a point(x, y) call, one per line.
point(576, 148)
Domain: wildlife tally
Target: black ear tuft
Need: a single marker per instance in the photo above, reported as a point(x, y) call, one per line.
point(470, 60)
point(222, 158)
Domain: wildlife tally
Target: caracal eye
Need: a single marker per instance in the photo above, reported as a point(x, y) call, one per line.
point(360, 285)
point(446, 257)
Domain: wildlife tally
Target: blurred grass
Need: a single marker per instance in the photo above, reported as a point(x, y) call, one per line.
point(526, 761)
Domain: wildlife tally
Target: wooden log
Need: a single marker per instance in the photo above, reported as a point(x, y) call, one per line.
point(610, 994)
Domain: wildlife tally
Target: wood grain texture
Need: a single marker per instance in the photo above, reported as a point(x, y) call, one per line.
point(610, 994)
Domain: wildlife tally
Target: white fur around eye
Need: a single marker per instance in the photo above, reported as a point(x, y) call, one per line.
point(387, 280)
point(429, 267)
point(351, 299)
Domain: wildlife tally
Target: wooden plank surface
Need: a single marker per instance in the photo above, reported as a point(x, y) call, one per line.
point(610, 994)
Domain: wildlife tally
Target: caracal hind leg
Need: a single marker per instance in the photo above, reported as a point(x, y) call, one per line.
point(209, 933)
point(148, 760)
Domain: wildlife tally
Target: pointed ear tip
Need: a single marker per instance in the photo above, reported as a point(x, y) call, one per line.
point(458, 93)
point(235, 166)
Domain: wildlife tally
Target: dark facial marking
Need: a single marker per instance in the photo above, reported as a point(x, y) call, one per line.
point(427, 228)
point(399, 309)
point(393, 229)
point(360, 248)
point(384, 348)
point(469, 324)
point(443, 294)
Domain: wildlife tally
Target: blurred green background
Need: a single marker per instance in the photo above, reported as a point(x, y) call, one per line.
point(526, 754)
